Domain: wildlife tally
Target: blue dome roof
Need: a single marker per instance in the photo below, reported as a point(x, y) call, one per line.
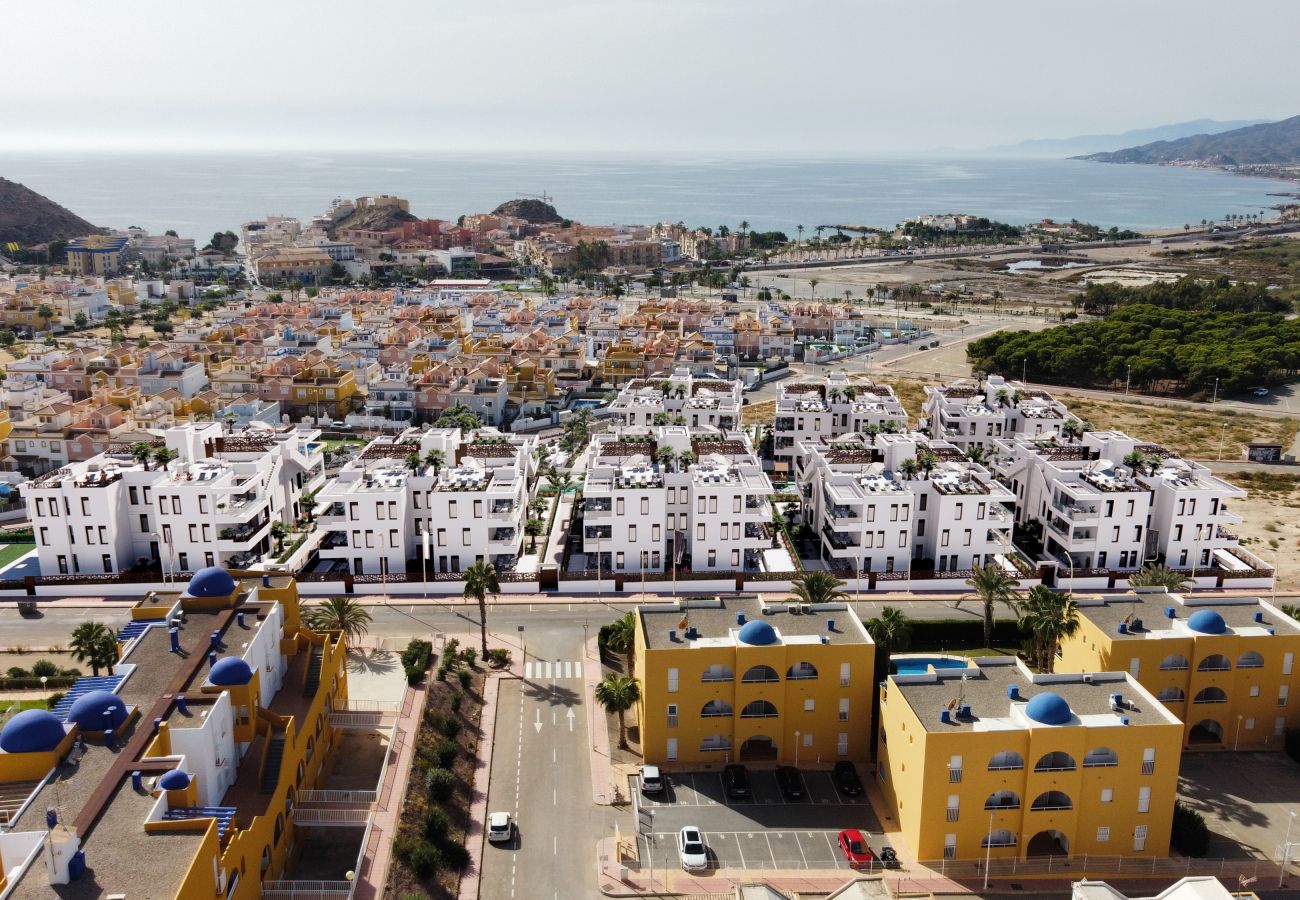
point(88, 710)
point(5, 489)
point(31, 731)
point(211, 582)
point(175, 780)
point(757, 633)
point(1207, 621)
point(230, 671)
point(1049, 709)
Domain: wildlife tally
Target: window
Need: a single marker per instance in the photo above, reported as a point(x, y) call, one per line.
point(1107, 795)
point(713, 558)
point(1103, 834)
point(1287, 659)
point(631, 534)
point(654, 533)
point(949, 846)
point(842, 743)
point(808, 739)
point(1144, 799)
point(809, 704)
point(107, 559)
point(954, 807)
point(672, 749)
point(944, 538)
point(645, 506)
point(759, 675)
point(844, 674)
point(1140, 838)
point(718, 672)
point(1007, 759)
point(672, 715)
point(1148, 760)
point(1254, 690)
point(464, 537)
point(1282, 693)
point(954, 770)
point(1279, 726)
point(844, 709)
point(802, 671)
point(183, 560)
point(672, 680)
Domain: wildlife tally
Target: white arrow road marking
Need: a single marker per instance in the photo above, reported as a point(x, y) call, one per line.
point(538, 722)
point(569, 716)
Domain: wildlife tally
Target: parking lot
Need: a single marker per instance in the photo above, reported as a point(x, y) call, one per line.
point(763, 831)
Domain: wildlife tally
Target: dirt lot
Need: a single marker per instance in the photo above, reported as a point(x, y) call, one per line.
point(1271, 529)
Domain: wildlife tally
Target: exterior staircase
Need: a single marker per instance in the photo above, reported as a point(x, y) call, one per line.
point(313, 673)
point(274, 754)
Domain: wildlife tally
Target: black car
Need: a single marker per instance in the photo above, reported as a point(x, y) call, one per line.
point(735, 780)
point(888, 858)
point(790, 782)
point(846, 777)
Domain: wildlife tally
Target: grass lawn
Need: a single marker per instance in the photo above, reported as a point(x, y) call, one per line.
point(333, 446)
point(10, 552)
point(19, 705)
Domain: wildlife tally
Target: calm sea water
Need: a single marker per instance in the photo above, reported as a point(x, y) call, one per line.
point(199, 194)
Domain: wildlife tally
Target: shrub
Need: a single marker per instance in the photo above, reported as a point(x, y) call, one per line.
point(18, 672)
point(456, 700)
point(442, 672)
point(470, 656)
point(440, 783)
point(53, 700)
point(424, 861)
point(498, 657)
point(415, 659)
point(466, 679)
point(43, 667)
point(446, 751)
point(454, 856)
point(404, 845)
point(1190, 835)
point(435, 824)
point(451, 728)
point(433, 718)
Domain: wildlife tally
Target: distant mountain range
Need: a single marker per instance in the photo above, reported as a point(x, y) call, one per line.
point(1082, 144)
point(1269, 144)
point(28, 218)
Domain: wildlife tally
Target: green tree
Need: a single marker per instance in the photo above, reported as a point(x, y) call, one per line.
point(412, 461)
point(142, 451)
point(93, 643)
point(617, 694)
point(162, 456)
point(534, 528)
point(435, 459)
point(345, 614)
point(817, 586)
point(1049, 618)
point(891, 631)
point(481, 580)
point(1152, 575)
point(45, 313)
point(991, 586)
point(620, 637)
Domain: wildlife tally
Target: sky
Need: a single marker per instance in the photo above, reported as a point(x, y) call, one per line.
point(806, 78)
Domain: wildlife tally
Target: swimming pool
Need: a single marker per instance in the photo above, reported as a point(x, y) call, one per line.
point(919, 665)
point(588, 404)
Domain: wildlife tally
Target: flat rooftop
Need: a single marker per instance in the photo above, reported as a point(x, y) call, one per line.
point(984, 689)
point(1238, 615)
point(715, 623)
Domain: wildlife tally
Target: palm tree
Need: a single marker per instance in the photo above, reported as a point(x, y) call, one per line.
point(665, 457)
point(817, 586)
point(908, 468)
point(94, 643)
point(812, 287)
point(345, 614)
point(278, 531)
point(1291, 610)
point(142, 450)
point(435, 459)
point(1049, 617)
point(891, 631)
point(1160, 576)
point(1072, 430)
point(686, 459)
point(799, 228)
point(992, 586)
point(162, 456)
point(481, 580)
point(533, 528)
point(412, 461)
point(927, 460)
point(621, 638)
point(976, 454)
point(617, 694)
point(45, 314)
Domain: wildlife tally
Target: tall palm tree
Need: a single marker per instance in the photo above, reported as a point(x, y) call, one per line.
point(812, 287)
point(533, 528)
point(927, 460)
point(1049, 617)
point(891, 631)
point(621, 638)
point(908, 468)
point(142, 450)
point(816, 586)
point(481, 580)
point(435, 459)
point(1160, 576)
point(686, 459)
point(94, 643)
point(991, 586)
point(345, 614)
point(412, 461)
point(617, 694)
point(665, 457)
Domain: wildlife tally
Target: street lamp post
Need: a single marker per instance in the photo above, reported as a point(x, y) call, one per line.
point(1237, 736)
point(1286, 851)
point(1128, 376)
point(1215, 398)
point(988, 852)
point(1223, 433)
point(796, 749)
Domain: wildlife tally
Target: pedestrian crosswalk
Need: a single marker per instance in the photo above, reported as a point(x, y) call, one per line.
point(544, 670)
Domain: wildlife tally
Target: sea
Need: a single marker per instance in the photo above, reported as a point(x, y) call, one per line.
point(200, 193)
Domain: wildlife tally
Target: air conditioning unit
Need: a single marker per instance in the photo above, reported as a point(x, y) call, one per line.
point(805, 608)
point(1087, 678)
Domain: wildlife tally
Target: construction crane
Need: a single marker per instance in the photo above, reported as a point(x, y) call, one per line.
point(543, 196)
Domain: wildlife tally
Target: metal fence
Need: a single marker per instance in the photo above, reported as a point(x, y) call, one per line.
point(1078, 866)
point(337, 797)
point(301, 890)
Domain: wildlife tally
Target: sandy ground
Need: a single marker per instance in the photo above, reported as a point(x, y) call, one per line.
point(1271, 529)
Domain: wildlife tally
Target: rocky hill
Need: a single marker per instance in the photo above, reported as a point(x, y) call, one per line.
point(1274, 143)
point(533, 211)
point(28, 218)
point(373, 219)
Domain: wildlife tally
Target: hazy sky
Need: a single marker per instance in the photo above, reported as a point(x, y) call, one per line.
point(807, 78)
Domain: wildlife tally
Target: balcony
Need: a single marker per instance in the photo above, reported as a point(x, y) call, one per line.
point(503, 510)
point(598, 532)
point(758, 530)
point(239, 538)
point(334, 540)
point(842, 512)
point(597, 504)
point(1076, 512)
point(838, 540)
point(502, 535)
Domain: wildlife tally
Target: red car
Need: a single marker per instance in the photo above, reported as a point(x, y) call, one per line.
point(854, 847)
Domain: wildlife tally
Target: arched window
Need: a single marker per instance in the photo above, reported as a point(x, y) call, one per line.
point(311, 747)
point(802, 671)
point(1250, 660)
point(759, 709)
point(1216, 662)
point(999, 837)
point(1101, 756)
point(718, 672)
point(1051, 800)
point(1211, 695)
point(1007, 759)
point(760, 675)
point(1003, 800)
point(1171, 695)
point(266, 858)
point(715, 708)
point(1057, 761)
point(1174, 662)
point(279, 829)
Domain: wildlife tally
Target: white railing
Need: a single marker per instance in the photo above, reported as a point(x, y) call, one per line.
point(338, 796)
point(292, 890)
point(331, 816)
point(356, 720)
point(370, 706)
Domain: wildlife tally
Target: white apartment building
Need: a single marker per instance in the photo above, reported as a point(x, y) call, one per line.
point(971, 415)
point(646, 510)
point(680, 399)
point(472, 506)
point(213, 505)
point(807, 411)
point(893, 502)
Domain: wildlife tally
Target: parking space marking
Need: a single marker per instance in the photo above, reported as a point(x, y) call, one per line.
point(834, 858)
point(802, 855)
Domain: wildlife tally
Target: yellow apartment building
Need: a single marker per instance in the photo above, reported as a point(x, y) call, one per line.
point(1224, 666)
point(748, 681)
point(98, 254)
point(995, 759)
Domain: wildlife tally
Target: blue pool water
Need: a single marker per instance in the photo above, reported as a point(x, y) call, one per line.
point(919, 665)
point(588, 404)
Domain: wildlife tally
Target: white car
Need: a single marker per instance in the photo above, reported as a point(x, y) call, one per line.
point(500, 827)
point(652, 780)
point(690, 846)
point(1260, 392)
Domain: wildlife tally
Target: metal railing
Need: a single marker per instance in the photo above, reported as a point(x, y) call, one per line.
point(331, 816)
point(292, 890)
point(1076, 866)
point(337, 797)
